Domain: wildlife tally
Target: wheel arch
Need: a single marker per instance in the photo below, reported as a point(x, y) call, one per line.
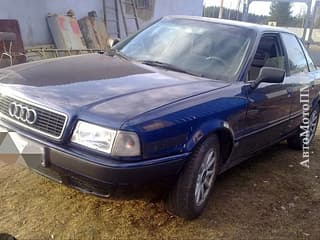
point(224, 132)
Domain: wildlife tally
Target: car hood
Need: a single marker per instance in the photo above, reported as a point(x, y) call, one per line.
point(109, 89)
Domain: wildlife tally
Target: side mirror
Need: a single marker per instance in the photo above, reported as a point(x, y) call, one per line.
point(269, 75)
point(115, 41)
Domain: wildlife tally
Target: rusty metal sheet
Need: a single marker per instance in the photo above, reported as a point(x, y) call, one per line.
point(94, 32)
point(88, 33)
point(66, 32)
point(100, 30)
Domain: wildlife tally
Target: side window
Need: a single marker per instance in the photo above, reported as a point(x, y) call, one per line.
point(312, 67)
point(296, 58)
point(269, 54)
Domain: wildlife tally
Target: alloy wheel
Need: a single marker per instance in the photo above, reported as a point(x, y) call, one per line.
point(207, 172)
point(313, 125)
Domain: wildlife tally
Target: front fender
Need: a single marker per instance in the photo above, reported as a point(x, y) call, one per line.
point(203, 130)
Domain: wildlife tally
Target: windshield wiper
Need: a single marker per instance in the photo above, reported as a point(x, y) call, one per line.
point(168, 66)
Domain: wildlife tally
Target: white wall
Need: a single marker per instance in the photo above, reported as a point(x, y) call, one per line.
point(170, 7)
point(31, 15)
point(174, 7)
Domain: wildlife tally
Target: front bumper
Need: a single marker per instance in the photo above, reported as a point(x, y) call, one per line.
point(88, 175)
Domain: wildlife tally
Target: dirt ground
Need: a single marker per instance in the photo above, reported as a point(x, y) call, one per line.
point(268, 197)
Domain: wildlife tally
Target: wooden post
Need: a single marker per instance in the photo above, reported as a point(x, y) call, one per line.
point(104, 5)
point(221, 9)
point(238, 9)
point(306, 21)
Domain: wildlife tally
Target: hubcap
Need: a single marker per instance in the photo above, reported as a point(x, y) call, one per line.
point(205, 177)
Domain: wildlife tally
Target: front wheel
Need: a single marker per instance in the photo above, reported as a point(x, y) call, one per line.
point(189, 196)
point(297, 141)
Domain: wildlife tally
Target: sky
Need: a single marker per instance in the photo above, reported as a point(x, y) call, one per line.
point(260, 8)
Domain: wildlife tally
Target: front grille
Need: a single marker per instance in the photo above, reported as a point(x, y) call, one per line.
point(48, 122)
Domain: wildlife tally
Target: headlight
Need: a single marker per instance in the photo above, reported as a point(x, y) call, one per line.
point(117, 143)
point(94, 137)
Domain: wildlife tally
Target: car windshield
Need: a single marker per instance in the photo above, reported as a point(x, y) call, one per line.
point(200, 48)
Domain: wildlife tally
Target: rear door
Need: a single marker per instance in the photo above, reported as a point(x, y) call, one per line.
point(302, 78)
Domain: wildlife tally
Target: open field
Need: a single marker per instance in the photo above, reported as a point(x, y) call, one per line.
point(268, 197)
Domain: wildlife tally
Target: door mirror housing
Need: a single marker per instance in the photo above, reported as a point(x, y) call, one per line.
point(115, 41)
point(269, 75)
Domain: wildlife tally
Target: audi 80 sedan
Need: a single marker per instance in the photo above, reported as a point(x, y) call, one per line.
point(184, 99)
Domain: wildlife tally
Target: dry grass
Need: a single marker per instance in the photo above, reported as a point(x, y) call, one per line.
point(268, 197)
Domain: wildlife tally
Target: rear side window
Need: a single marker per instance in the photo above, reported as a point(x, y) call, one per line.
point(296, 58)
point(312, 67)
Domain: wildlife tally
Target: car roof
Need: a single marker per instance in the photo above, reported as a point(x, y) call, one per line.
point(255, 27)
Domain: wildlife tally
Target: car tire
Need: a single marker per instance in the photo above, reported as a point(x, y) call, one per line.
point(190, 194)
point(296, 141)
point(6, 236)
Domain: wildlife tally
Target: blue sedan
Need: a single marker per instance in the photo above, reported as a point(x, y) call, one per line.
point(181, 101)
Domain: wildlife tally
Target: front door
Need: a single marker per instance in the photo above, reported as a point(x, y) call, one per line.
point(269, 104)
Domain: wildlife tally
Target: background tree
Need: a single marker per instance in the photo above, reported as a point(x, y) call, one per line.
point(213, 11)
point(280, 12)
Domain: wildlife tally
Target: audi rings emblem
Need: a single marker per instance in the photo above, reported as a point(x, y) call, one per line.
point(22, 113)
